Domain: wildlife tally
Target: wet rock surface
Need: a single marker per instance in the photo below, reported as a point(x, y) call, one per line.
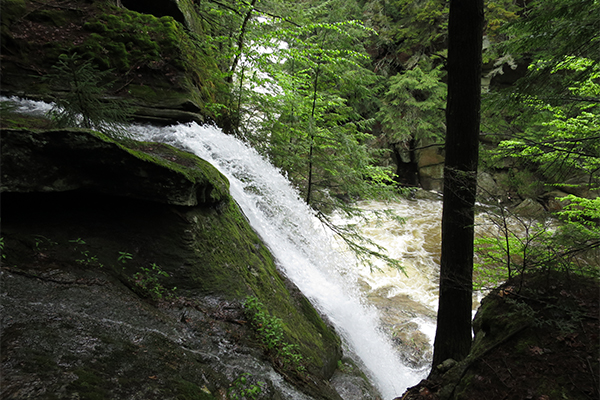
point(106, 296)
point(82, 334)
point(398, 316)
point(351, 384)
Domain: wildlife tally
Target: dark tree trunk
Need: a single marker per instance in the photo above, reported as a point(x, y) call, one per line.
point(240, 40)
point(453, 334)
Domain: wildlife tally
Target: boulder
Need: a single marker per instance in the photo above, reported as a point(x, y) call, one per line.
point(153, 61)
point(535, 337)
point(430, 163)
point(432, 177)
point(487, 187)
point(351, 383)
point(530, 208)
point(553, 200)
point(579, 186)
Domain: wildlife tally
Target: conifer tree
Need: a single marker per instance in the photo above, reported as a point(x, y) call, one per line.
point(84, 103)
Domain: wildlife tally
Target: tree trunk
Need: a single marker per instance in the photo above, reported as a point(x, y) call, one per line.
point(453, 334)
point(240, 40)
point(312, 128)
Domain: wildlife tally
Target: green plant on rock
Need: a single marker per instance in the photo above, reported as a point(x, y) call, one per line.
point(84, 103)
point(269, 330)
point(43, 243)
point(124, 257)
point(88, 259)
point(148, 280)
point(244, 388)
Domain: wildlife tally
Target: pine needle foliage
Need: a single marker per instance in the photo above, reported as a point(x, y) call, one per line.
point(413, 107)
point(84, 104)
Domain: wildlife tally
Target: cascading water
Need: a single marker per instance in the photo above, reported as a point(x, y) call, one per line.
point(300, 244)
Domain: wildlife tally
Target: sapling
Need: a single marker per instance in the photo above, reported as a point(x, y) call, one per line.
point(84, 103)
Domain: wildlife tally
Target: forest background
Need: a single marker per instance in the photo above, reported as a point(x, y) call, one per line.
point(342, 96)
point(348, 99)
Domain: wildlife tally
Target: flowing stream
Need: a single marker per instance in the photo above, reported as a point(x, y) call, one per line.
point(386, 318)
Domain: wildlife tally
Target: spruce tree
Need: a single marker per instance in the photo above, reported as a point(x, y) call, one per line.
point(84, 103)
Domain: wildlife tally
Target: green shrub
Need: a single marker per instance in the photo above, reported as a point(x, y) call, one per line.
point(269, 330)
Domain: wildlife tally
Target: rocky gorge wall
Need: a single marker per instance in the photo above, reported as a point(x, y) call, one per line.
point(124, 273)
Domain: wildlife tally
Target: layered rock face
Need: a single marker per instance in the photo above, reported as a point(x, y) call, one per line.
point(124, 271)
point(65, 160)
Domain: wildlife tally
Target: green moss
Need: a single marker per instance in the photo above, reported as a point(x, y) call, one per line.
point(126, 40)
point(156, 94)
point(133, 39)
point(231, 252)
point(190, 166)
point(236, 264)
point(13, 120)
point(462, 390)
point(140, 49)
point(499, 318)
point(188, 8)
point(525, 344)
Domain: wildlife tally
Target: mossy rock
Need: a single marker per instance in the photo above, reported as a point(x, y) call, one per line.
point(535, 337)
point(70, 159)
point(74, 200)
point(152, 59)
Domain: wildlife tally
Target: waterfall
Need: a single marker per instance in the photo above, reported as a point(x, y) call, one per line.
point(301, 246)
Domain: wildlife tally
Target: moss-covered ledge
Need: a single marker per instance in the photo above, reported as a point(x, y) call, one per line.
point(163, 64)
point(75, 201)
point(73, 159)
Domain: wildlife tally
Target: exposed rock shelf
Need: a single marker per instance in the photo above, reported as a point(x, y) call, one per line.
point(85, 221)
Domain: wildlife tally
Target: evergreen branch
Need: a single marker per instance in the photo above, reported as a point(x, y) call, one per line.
point(362, 247)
